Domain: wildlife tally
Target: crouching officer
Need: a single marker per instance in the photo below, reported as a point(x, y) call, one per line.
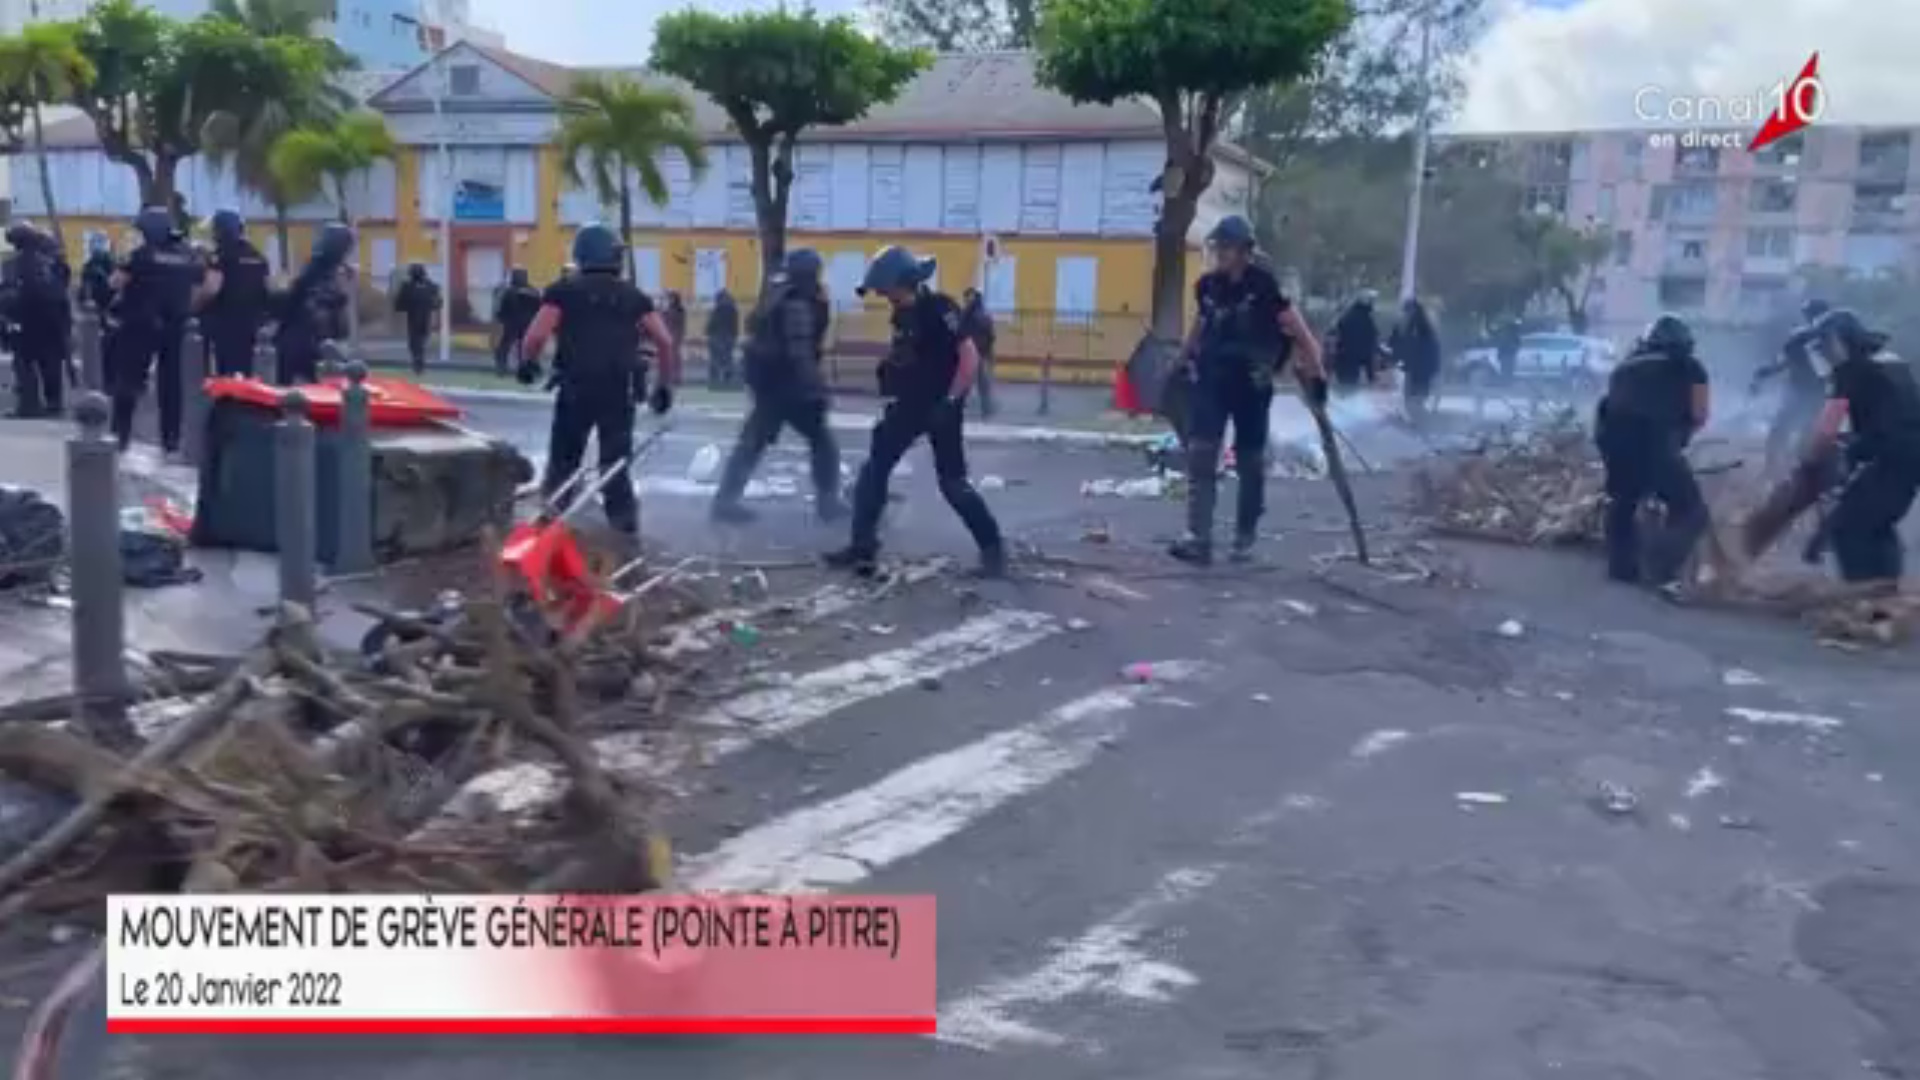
point(783, 373)
point(156, 288)
point(306, 309)
point(1656, 400)
point(1805, 389)
point(35, 302)
point(1245, 334)
point(924, 380)
point(234, 297)
point(1873, 392)
point(599, 319)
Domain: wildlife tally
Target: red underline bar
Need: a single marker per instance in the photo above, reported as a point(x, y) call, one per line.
point(580, 1025)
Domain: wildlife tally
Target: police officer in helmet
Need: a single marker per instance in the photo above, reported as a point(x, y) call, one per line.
point(1244, 336)
point(1874, 392)
point(1655, 401)
point(929, 368)
point(234, 297)
point(306, 309)
point(34, 298)
point(1805, 389)
point(598, 319)
point(417, 300)
point(156, 288)
point(786, 332)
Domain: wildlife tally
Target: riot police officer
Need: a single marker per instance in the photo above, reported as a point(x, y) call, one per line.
point(156, 288)
point(514, 311)
point(599, 319)
point(417, 301)
point(1245, 334)
point(924, 380)
point(305, 311)
point(35, 303)
point(1875, 393)
point(1655, 401)
point(96, 276)
point(234, 296)
point(783, 373)
point(1805, 389)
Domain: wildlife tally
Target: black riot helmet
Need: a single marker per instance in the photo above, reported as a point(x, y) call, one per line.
point(1232, 231)
point(1813, 309)
point(155, 225)
point(22, 236)
point(335, 243)
point(597, 249)
point(803, 265)
point(416, 271)
point(895, 267)
point(1843, 337)
point(227, 227)
point(1669, 334)
point(519, 278)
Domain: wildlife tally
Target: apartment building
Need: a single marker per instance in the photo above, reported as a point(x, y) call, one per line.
point(1715, 232)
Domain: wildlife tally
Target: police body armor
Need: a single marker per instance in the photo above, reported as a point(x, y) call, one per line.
point(1238, 336)
point(1639, 394)
point(244, 293)
point(600, 334)
point(165, 301)
point(767, 367)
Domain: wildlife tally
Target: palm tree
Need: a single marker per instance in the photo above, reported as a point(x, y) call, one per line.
point(306, 163)
point(44, 66)
point(244, 139)
point(612, 127)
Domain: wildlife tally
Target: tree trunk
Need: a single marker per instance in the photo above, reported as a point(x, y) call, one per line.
point(46, 179)
point(283, 237)
point(157, 185)
point(772, 182)
point(1170, 265)
point(626, 231)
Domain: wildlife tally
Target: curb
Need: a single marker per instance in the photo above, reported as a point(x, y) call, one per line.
point(841, 421)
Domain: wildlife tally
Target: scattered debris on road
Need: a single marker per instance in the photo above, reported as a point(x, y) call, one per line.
point(1470, 799)
point(1511, 628)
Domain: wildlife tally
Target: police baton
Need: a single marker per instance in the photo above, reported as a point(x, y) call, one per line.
point(1337, 472)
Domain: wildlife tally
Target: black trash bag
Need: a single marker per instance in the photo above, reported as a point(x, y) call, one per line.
point(33, 537)
point(153, 557)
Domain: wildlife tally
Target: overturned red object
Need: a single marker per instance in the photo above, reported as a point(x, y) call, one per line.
point(392, 403)
point(545, 559)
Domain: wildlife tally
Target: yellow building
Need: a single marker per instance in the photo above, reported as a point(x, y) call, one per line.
point(973, 158)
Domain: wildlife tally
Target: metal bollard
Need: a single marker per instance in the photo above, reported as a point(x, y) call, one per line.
point(90, 342)
point(193, 394)
point(294, 500)
point(266, 359)
point(1046, 383)
point(353, 548)
point(93, 546)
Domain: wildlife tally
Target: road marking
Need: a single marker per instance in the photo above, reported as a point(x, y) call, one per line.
point(776, 711)
point(1108, 957)
point(1379, 742)
point(843, 841)
point(704, 632)
point(1770, 718)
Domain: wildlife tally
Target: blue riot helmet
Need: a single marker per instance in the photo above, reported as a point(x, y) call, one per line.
point(335, 243)
point(894, 268)
point(1232, 231)
point(155, 225)
point(803, 264)
point(21, 235)
point(227, 227)
point(596, 247)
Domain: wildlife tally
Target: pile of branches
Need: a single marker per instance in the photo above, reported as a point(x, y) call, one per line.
point(294, 769)
point(1539, 483)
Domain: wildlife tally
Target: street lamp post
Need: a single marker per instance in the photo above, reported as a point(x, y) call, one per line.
point(441, 91)
point(1410, 253)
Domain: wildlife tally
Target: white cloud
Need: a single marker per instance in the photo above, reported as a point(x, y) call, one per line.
point(1545, 69)
point(601, 32)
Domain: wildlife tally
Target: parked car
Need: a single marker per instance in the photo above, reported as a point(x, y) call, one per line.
point(1543, 358)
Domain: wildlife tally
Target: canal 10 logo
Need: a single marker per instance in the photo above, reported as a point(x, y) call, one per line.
point(1692, 121)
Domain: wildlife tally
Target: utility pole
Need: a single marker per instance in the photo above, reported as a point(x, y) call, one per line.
point(442, 90)
point(1410, 254)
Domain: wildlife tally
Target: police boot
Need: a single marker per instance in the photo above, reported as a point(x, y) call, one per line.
point(1203, 488)
point(865, 562)
point(993, 562)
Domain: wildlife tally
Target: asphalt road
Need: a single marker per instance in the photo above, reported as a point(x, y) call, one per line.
point(1350, 828)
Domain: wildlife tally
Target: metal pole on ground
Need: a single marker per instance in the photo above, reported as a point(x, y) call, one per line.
point(88, 331)
point(93, 546)
point(193, 394)
point(293, 500)
point(353, 548)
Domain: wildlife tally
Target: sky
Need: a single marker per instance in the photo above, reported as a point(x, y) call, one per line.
point(1543, 65)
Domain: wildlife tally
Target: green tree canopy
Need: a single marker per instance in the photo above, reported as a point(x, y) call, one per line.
point(307, 163)
point(613, 128)
point(957, 25)
point(158, 81)
point(1196, 60)
point(43, 66)
point(778, 73)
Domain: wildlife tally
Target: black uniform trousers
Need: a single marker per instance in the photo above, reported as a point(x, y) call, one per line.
point(1236, 395)
point(807, 416)
point(901, 424)
point(602, 407)
point(417, 349)
point(720, 361)
point(1865, 521)
point(39, 371)
point(230, 347)
point(506, 352)
point(1642, 461)
point(134, 353)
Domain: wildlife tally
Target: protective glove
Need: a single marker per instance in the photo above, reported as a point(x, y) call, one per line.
point(1317, 392)
point(661, 400)
point(528, 372)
